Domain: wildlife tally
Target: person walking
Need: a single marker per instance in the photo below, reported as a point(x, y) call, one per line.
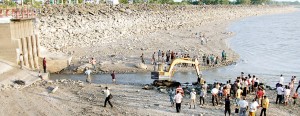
point(243, 107)
point(193, 98)
point(265, 106)
point(21, 61)
point(178, 100)
point(113, 77)
point(44, 64)
point(88, 75)
point(107, 95)
point(227, 106)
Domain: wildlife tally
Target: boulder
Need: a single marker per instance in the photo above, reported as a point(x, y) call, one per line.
point(141, 66)
point(81, 68)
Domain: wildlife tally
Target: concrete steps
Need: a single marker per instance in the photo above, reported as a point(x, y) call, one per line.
point(8, 77)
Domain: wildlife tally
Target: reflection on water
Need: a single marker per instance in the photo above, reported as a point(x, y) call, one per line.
point(268, 47)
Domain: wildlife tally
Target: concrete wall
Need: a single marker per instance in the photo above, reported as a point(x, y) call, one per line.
point(7, 45)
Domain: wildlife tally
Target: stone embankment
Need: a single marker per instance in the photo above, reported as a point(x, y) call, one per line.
point(119, 34)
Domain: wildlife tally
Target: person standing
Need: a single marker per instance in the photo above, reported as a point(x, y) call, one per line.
point(243, 106)
point(287, 93)
point(193, 98)
point(204, 59)
point(214, 94)
point(93, 62)
point(180, 90)
point(265, 106)
point(107, 98)
point(295, 96)
point(88, 75)
point(281, 79)
point(280, 93)
point(159, 54)
point(153, 58)
point(298, 85)
point(142, 58)
point(162, 57)
point(44, 64)
point(172, 56)
point(238, 95)
point(259, 95)
point(171, 95)
point(227, 106)
point(223, 55)
point(202, 96)
point(168, 54)
point(113, 77)
point(21, 61)
point(178, 100)
point(253, 108)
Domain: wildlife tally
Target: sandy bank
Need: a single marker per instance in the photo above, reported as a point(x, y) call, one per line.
point(77, 99)
point(117, 36)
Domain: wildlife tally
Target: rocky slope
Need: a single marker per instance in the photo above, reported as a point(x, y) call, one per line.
point(119, 34)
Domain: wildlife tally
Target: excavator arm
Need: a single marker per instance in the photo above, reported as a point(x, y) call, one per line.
point(166, 75)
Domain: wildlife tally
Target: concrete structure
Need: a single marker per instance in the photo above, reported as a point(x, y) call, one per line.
point(17, 37)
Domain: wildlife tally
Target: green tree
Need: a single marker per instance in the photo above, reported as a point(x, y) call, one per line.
point(243, 2)
point(207, 2)
point(224, 2)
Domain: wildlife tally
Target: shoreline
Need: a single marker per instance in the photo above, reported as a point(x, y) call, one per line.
point(79, 98)
point(124, 59)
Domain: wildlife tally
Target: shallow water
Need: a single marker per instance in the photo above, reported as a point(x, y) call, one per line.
point(267, 45)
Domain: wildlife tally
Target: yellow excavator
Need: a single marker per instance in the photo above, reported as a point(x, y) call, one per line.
point(163, 77)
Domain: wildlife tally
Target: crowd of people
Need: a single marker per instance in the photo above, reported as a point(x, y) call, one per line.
point(237, 94)
point(168, 56)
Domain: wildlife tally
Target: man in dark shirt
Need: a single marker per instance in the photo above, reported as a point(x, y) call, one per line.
point(113, 77)
point(44, 64)
point(227, 106)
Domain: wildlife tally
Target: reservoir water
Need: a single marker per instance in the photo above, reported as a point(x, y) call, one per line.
point(267, 45)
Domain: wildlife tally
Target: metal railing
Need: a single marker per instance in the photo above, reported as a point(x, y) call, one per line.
point(18, 13)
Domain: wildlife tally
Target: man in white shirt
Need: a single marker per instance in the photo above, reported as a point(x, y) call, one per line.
point(281, 79)
point(253, 108)
point(193, 98)
point(243, 107)
point(178, 99)
point(107, 98)
point(21, 61)
point(88, 75)
point(214, 94)
point(280, 93)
